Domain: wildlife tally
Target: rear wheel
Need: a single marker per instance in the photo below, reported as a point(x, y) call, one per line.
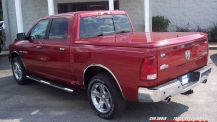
point(105, 97)
point(19, 71)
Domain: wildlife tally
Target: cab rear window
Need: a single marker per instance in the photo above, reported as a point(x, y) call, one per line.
point(95, 26)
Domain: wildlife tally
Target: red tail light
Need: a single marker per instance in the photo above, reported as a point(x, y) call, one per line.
point(104, 13)
point(149, 68)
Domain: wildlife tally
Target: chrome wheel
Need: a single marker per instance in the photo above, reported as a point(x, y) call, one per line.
point(105, 97)
point(17, 71)
point(101, 97)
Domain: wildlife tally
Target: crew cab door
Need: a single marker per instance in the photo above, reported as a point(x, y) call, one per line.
point(56, 47)
point(32, 52)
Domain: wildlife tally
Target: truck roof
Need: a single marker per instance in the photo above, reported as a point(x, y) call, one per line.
point(86, 13)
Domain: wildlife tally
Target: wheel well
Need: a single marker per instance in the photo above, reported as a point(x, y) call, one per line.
point(13, 55)
point(98, 69)
point(91, 72)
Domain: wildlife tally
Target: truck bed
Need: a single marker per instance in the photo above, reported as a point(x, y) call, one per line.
point(171, 48)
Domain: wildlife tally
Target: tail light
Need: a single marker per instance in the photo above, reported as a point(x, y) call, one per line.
point(104, 13)
point(149, 68)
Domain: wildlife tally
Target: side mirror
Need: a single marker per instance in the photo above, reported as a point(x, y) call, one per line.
point(21, 36)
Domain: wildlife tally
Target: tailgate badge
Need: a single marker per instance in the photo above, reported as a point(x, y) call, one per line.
point(162, 55)
point(182, 46)
point(187, 54)
point(164, 66)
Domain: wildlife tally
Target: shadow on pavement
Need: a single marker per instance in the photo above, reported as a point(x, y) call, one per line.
point(214, 58)
point(37, 101)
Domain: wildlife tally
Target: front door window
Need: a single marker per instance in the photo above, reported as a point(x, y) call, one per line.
point(39, 31)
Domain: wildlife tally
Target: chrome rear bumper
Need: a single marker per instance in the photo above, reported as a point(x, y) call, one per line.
point(172, 87)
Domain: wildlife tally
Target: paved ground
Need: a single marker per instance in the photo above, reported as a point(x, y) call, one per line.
point(38, 102)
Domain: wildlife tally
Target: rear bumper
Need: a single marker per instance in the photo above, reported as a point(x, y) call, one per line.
point(172, 88)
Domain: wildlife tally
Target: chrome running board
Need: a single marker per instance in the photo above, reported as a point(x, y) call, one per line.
point(55, 85)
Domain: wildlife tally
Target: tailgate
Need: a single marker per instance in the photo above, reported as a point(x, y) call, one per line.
point(179, 59)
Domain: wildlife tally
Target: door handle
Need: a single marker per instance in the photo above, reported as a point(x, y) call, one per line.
point(62, 49)
point(38, 47)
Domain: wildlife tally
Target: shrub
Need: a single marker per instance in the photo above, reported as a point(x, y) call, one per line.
point(199, 29)
point(213, 32)
point(185, 29)
point(160, 24)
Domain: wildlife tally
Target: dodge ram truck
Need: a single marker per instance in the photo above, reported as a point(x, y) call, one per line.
point(99, 51)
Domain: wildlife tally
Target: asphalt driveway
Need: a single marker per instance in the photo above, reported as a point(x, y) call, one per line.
point(38, 102)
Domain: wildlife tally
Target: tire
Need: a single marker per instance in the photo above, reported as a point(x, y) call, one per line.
point(19, 71)
point(105, 96)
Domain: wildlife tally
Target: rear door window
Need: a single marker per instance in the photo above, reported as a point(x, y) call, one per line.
point(122, 24)
point(58, 29)
point(95, 26)
point(104, 25)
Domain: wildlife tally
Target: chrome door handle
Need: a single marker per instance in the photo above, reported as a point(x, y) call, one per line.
point(62, 49)
point(38, 47)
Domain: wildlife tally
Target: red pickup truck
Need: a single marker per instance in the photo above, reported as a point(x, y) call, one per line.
point(99, 51)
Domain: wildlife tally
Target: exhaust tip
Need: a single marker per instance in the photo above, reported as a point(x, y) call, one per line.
point(204, 81)
point(167, 100)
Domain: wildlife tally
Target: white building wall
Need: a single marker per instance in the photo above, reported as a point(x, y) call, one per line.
point(195, 12)
point(202, 13)
point(135, 9)
point(33, 10)
point(11, 26)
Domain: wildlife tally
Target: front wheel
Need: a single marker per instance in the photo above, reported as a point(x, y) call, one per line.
point(19, 71)
point(105, 97)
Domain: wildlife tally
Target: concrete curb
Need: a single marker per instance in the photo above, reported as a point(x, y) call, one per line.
point(212, 45)
point(4, 53)
point(213, 48)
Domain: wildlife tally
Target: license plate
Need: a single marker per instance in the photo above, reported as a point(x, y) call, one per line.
point(185, 79)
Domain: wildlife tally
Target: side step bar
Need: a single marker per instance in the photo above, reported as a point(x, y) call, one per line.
point(62, 87)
